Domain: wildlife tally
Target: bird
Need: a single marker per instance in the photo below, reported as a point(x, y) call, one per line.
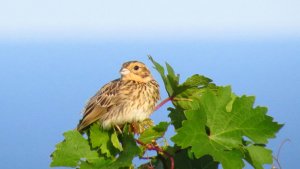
point(128, 99)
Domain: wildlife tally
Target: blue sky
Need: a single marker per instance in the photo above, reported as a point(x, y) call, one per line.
point(148, 19)
point(55, 54)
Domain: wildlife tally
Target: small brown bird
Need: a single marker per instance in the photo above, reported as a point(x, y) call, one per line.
point(129, 99)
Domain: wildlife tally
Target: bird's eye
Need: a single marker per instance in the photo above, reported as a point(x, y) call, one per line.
point(136, 67)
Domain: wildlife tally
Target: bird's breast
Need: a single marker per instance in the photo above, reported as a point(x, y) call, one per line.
point(136, 101)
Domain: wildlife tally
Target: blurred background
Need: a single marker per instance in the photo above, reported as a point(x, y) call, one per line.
point(54, 55)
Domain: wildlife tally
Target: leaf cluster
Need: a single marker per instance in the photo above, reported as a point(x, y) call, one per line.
point(213, 127)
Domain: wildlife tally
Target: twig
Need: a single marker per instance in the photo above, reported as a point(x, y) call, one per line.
point(279, 149)
point(158, 150)
point(163, 102)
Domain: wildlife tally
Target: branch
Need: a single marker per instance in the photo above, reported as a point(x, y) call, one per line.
point(158, 150)
point(280, 147)
point(163, 102)
point(277, 156)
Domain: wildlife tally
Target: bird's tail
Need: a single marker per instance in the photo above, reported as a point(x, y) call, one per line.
point(89, 118)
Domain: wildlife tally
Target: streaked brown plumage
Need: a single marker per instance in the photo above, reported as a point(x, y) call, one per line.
point(131, 98)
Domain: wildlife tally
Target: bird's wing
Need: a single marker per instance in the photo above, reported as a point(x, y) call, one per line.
point(99, 103)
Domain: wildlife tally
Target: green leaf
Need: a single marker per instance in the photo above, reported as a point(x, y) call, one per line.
point(196, 81)
point(130, 150)
point(97, 135)
point(193, 134)
point(100, 138)
point(100, 163)
point(171, 72)
point(161, 71)
point(154, 132)
point(115, 141)
point(177, 116)
point(182, 161)
point(171, 80)
point(154, 163)
point(211, 129)
point(72, 150)
point(192, 89)
point(229, 105)
point(257, 156)
point(253, 122)
point(187, 94)
point(158, 67)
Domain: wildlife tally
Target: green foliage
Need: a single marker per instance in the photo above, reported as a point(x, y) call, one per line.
point(72, 150)
point(154, 133)
point(183, 161)
point(130, 151)
point(213, 127)
point(212, 130)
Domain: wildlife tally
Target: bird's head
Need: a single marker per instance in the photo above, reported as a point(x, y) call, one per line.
point(135, 70)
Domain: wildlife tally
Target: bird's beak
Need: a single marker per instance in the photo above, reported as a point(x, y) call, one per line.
point(124, 71)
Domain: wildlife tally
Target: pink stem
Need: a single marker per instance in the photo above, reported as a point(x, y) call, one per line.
point(158, 149)
point(162, 103)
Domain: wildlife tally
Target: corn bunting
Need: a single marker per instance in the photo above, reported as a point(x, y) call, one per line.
point(129, 99)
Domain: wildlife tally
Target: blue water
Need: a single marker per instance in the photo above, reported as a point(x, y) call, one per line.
point(44, 85)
